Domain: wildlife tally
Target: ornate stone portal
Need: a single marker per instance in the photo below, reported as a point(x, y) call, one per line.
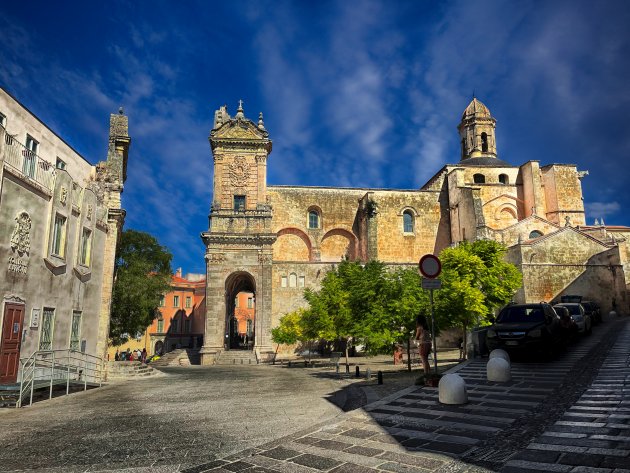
point(239, 238)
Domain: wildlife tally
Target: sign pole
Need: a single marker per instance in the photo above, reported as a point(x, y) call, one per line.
point(433, 333)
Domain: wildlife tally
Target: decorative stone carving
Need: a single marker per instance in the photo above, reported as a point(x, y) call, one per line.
point(63, 196)
point(215, 258)
point(15, 299)
point(90, 210)
point(239, 172)
point(21, 239)
point(264, 258)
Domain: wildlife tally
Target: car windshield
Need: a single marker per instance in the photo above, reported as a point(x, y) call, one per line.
point(574, 309)
point(521, 314)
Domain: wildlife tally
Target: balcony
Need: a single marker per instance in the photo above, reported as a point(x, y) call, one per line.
point(241, 221)
point(25, 164)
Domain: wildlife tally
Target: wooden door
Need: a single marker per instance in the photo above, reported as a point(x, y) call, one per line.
point(10, 343)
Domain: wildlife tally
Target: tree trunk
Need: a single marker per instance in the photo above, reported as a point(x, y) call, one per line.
point(464, 343)
point(347, 343)
point(276, 353)
point(408, 354)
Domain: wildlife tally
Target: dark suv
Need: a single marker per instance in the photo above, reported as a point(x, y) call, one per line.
point(526, 327)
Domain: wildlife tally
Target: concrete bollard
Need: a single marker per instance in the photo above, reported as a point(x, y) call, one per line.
point(498, 370)
point(612, 313)
point(368, 373)
point(452, 390)
point(498, 353)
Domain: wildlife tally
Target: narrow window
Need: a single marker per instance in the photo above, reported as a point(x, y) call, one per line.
point(188, 302)
point(484, 142)
point(59, 236)
point(301, 281)
point(292, 280)
point(250, 302)
point(479, 179)
point(61, 164)
point(504, 179)
point(28, 166)
point(161, 301)
point(463, 149)
point(250, 328)
point(175, 301)
point(535, 234)
point(187, 326)
point(48, 325)
point(86, 247)
point(3, 120)
point(160, 327)
point(313, 219)
point(283, 281)
point(75, 333)
point(236, 302)
point(407, 221)
point(239, 202)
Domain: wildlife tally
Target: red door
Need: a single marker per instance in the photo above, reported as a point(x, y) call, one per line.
point(10, 343)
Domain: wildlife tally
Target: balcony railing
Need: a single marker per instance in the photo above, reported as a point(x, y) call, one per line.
point(26, 162)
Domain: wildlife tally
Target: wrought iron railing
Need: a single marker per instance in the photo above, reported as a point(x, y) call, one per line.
point(26, 162)
point(46, 369)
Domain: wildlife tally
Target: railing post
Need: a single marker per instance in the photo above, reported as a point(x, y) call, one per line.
point(68, 373)
point(19, 401)
point(52, 374)
point(30, 403)
point(85, 372)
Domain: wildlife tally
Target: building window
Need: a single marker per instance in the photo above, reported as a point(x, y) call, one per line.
point(188, 302)
point(3, 120)
point(59, 236)
point(250, 328)
point(236, 302)
point(47, 329)
point(162, 303)
point(504, 179)
point(301, 281)
point(479, 179)
point(175, 325)
point(75, 333)
point(160, 327)
point(484, 143)
point(407, 221)
point(61, 164)
point(250, 302)
point(28, 166)
point(292, 280)
point(535, 234)
point(187, 326)
point(86, 247)
point(175, 301)
point(239, 202)
point(283, 282)
point(463, 149)
point(313, 219)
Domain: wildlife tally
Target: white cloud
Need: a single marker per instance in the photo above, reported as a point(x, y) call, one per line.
point(599, 210)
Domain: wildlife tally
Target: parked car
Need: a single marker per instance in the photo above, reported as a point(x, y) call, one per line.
point(526, 328)
point(579, 316)
point(592, 308)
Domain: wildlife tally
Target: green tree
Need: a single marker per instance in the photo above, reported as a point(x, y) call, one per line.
point(289, 330)
point(142, 276)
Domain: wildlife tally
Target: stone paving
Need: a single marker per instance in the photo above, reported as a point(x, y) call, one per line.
point(412, 432)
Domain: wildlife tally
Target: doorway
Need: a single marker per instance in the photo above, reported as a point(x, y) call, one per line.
point(11, 342)
point(240, 312)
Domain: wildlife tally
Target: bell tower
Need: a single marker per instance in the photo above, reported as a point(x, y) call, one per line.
point(477, 132)
point(239, 237)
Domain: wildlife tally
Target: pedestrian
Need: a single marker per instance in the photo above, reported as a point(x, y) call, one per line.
point(424, 341)
point(117, 355)
point(129, 355)
point(144, 355)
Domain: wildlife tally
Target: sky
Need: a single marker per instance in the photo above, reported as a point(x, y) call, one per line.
point(354, 93)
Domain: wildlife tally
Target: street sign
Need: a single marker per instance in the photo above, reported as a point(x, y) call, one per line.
point(431, 283)
point(430, 266)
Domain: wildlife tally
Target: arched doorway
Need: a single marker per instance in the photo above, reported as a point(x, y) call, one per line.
point(240, 314)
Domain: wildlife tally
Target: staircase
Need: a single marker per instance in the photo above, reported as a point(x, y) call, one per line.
point(123, 370)
point(179, 357)
point(236, 357)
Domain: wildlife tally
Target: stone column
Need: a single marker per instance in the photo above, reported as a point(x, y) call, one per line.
point(214, 326)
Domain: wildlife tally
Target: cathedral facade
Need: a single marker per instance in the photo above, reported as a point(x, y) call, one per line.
point(274, 241)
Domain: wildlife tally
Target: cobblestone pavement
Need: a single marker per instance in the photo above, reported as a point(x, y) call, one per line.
point(411, 432)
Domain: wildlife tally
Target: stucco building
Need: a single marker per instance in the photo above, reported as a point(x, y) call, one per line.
point(60, 218)
point(273, 241)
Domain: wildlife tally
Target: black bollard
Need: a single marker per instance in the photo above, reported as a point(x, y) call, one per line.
point(380, 377)
point(358, 375)
point(305, 364)
point(347, 368)
point(289, 363)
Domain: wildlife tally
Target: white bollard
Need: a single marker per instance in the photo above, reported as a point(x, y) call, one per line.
point(498, 353)
point(498, 370)
point(452, 389)
point(612, 313)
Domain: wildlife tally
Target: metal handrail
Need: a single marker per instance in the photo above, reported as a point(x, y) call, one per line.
point(26, 162)
point(51, 367)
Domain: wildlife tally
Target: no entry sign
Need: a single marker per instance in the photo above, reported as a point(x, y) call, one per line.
point(430, 266)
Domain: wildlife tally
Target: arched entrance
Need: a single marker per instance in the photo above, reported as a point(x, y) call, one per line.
point(240, 313)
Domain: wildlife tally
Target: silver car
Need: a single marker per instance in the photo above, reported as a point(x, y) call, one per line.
point(579, 316)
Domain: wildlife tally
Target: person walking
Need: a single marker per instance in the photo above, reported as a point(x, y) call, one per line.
point(117, 355)
point(423, 335)
point(144, 355)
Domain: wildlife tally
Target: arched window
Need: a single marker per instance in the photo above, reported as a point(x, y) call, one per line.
point(504, 179)
point(407, 221)
point(484, 142)
point(535, 234)
point(313, 219)
point(292, 280)
point(479, 179)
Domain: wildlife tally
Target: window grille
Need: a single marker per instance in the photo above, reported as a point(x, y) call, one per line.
point(47, 327)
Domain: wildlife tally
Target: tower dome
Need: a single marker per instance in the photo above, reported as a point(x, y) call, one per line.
point(476, 108)
point(477, 132)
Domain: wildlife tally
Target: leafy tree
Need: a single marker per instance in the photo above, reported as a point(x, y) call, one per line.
point(142, 276)
point(289, 330)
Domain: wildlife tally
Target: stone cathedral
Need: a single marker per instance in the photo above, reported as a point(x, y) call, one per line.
point(275, 240)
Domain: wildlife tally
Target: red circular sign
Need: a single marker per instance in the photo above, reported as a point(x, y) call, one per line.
point(430, 266)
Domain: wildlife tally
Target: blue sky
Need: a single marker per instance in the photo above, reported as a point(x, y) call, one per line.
point(354, 93)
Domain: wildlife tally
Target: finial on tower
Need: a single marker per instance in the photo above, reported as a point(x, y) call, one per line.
point(121, 111)
point(261, 124)
point(239, 112)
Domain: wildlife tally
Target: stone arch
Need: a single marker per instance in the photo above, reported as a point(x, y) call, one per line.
point(292, 245)
point(507, 214)
point(238, 281)
point(337, 244)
